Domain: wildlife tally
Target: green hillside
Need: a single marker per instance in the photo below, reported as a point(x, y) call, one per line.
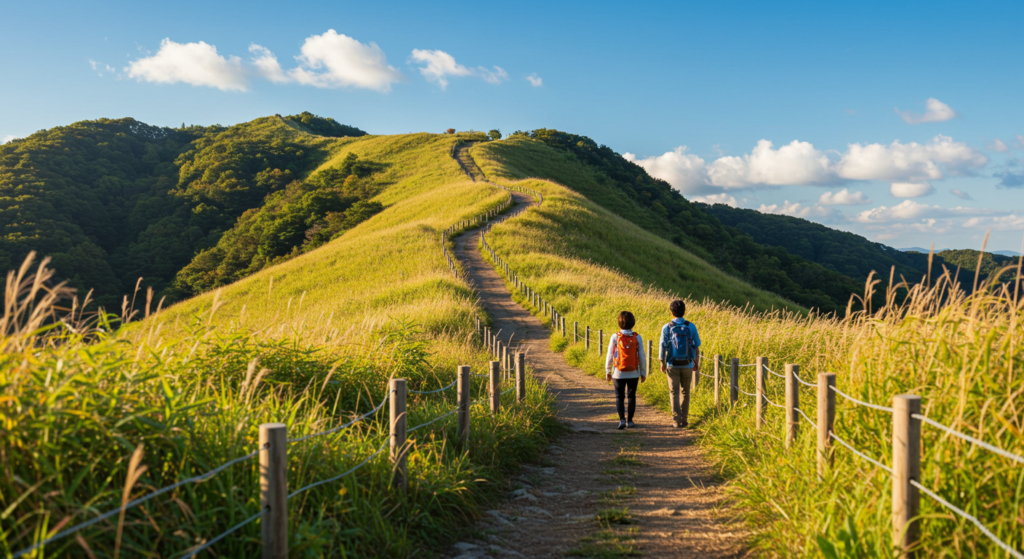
point(626, 189)
point(115, 200)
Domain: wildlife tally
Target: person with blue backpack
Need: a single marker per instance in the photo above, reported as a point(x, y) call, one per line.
point(680, 360)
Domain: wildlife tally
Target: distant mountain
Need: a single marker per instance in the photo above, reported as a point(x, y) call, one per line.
point(1005, 253)
point(919, 249)
point(925, 251)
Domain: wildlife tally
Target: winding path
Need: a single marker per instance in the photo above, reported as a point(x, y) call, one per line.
point(655, 471)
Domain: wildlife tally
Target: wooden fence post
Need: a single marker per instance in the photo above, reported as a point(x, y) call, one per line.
point(826, 419)
point(463, 415)
point(734, 381)
point(650, 356)
point(563, 326)
point(520, 376)
point(398, 431)
point(487, 337)
point(495, 386)
point(273, 440)
point(759, 378)
point(600, 342)
point(718, 382)
point(792, 424)
point(694, 379)
point(587, 339)
point(906, 466)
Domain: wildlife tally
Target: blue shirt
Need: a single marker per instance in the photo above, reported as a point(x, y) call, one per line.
point(666, 342)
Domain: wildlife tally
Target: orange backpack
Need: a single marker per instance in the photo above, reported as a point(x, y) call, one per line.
point(627, 358)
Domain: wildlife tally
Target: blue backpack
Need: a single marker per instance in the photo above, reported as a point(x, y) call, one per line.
point(680, 350)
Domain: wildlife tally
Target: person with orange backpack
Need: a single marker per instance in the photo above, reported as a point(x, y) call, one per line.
point(626, 366)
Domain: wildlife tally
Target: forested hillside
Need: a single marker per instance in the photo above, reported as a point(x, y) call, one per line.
point(852, 254)
point(113, 200)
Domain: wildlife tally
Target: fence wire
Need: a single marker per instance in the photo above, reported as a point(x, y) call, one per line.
point(223, 535)
point(971, 439)
point(346, 425)
point(135, 503)
point(774, 373)
point(772, 403)
point(456, 381)
point(966, 516)
point(815, 425)
point(743, 391)
point(337, 477)
point(803, 382)
point(859, 453)
point(860, 402)
point(436, 419)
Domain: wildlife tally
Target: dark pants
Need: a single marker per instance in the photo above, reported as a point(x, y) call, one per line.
point(625, 389)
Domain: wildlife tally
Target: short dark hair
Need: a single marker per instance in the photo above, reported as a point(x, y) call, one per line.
point(626, 320)
point(677, 308)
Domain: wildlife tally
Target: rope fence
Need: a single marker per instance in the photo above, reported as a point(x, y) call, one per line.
point(906, 422)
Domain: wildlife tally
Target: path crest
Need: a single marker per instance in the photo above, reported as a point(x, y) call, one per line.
point(552, 512)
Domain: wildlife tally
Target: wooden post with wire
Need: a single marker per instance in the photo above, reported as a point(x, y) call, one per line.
point(650, 356)
point(520, 376)
point(495, 386)
point(718, 382)
point(398, 431)
point(906, 466)
point(600, 342)
point(760, 370)
point(588, 339)
point(575, 331)
point(463, 406)
point(273, 441)
point(792, 424)
point(734, 381)
point(826, 419)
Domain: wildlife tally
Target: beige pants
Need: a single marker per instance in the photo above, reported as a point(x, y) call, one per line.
point(679, 379)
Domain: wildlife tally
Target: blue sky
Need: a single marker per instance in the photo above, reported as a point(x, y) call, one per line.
point(903, 123)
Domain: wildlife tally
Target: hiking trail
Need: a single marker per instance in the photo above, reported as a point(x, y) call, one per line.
point(652, 483)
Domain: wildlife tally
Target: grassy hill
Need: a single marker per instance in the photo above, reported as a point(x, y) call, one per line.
point(960, 353)
point(311, 342)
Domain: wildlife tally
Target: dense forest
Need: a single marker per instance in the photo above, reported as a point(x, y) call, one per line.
point(852, 254)
point(690, 226)
point(113, 200)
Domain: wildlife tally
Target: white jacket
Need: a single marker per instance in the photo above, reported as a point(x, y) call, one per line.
point(613, 351)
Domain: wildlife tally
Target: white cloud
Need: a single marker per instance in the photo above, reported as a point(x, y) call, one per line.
point(720, 198)
point(909, 211)
point(1012, 222)
point(1019, 143)
point(686, 172)
point(495, 76)
point(910, 189)
point(535, 80)
point(101, 68)
point(191, 63)
point(960, 194)
point(266, 64)
point(438, 65)
point(998, 146)
point(936, 111)
point(911, 162)
point(800, 163)
point(334, 60)
point(796, 209)
point(843, 198)
point(794, 163)
point(8, 138)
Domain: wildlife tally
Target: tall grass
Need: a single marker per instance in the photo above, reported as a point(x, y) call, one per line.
point(312, 343)
point(961, 353)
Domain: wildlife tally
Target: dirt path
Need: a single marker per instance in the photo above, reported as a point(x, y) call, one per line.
point(651, 484)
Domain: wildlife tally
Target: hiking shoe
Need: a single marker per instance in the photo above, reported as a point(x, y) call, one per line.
point(683, 424)
point(630, 424)
point(622, 425)
point(676, 424)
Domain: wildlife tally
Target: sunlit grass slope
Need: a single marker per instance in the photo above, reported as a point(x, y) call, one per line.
point(310, 342)
point(962, 355)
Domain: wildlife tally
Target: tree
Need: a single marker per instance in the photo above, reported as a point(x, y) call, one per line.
point(450, 131)
point(494, 134)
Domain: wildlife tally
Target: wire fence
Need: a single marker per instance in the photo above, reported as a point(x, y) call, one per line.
point(915, 483)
